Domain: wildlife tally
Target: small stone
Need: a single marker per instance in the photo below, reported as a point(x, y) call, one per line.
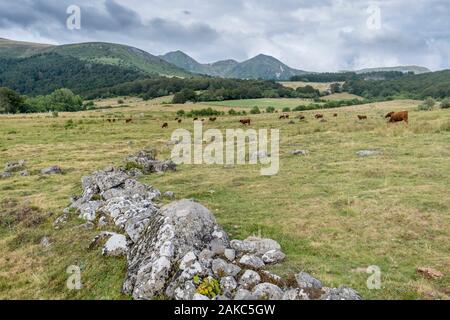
point(188, 260)
point(342, 293)
point(230, 254)
point(169, 194)
point(222, 268)
point(295, 294)
point(244, 294)
point(251, 261)
point(368, 153)
point(243, 246)
point(267, 291)
point(200, 297)
point(249, 279)
point(273, 256)
point(5, 175)
point(300, 152)
point(305, 280)
point(15, 166)
point(115, 246)
point(52, 170)
point(24, 173)
point(228, 284)
point(45, 243)
point(102, 222)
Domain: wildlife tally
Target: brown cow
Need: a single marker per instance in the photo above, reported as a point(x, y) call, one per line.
point(399, 116)
point(362, 117)
point(302, 117)
point(319, 116)
point(109, 120)
point(245, 121)
point(165, 125)
point(389, 114)
point(128, 120)
point(179, 120)
point(212, 119)
point(195, 119)
point(335, 115)
point(284, 116)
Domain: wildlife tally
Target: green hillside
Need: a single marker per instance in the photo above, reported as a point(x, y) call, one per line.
point(19, 49)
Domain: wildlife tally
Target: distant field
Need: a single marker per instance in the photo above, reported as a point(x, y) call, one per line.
point(321, 86)
point(341, 96)
point(261, 103)
point(331, 211)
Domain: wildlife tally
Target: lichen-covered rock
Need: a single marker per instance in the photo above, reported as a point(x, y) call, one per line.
point(273, 256)
point(228, 284)
point(251, 261)
point(145, 161)
point(249, 279)
point(14, 166)
point(115, 246)
point(305, 280)
point(89, 209)
point(189, 227)
point(262, 245)
point(267, 291)
point(244, 294)
point(295, 294)
point(230, 254)
point(222, 268)
point(243, 246)
point(342, 293)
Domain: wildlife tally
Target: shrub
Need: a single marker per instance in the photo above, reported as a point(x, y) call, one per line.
point(120, 101)
point(286, 109)
point(209, 287)
point(232, 112)
point(427, 105)
point(255, 110)
point(270, 109)
point(181, 113)
point(445, 104)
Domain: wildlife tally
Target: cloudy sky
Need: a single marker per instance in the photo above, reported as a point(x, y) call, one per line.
point(322, 35)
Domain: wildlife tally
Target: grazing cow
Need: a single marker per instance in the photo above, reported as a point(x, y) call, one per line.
point(203, 120)
point(302, 117)
point(389, 114)
point(399, 116)
point(176, 119)
point(128, 120)
point(212, 119)
point(335, 115)
point(362, 117)
point(319, 116)
point(109, 120)
point(165, 125)
point(195, 119)
point(245, 121)
point(113, 120)
point(284, 116)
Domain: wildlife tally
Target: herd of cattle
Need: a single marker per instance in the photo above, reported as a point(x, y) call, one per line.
point(393, 117)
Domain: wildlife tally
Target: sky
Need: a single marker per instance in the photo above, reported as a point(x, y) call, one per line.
point(320, 35)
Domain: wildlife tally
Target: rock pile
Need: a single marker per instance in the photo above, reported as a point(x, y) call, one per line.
point(179, 251)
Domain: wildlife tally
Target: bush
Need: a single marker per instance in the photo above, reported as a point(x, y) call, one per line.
point(181, 113)
point(427, 105)
point(120, 101)
point(286, 109)
point(445, 104)
point(270, 109)
point(232, 112)
point(11, 101)
point(255, 110)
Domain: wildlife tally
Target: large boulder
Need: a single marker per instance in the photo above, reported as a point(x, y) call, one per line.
point(146, 162)
point(184, 226)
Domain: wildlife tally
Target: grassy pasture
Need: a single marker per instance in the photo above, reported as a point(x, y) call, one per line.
point(331, 211)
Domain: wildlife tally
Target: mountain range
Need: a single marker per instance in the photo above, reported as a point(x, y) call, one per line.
point(176, 63)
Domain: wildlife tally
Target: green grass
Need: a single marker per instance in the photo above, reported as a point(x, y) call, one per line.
point(331, 211)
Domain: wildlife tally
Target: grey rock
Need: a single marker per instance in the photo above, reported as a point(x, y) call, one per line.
point(189, 226)
point(244, 294)
point(200, 297)
point(24, 173)
point(228, 284)
point(222, 268)
point(102, 222)
point(368, 153)
point(267, 291)
point(342, 293)
point(258, 155)
point(62, 219)
point(251, 261)
point(14, 166)
point(135, 173)
point(45, 242)
point(169, 194)
point(273, 256)
point(145, 160)
point(243, 246)
point(185, 291)
point(300, 152)
point(230, 254)
point(5, 175)
point(115, 246)
point(52, 170)
point(89, 209)
point(305, 280)
point(295, 294)
point(262, 245)
point(249, 279)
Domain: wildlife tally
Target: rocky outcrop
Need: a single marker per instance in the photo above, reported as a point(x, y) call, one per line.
point(179, 251)
point(146, 162)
